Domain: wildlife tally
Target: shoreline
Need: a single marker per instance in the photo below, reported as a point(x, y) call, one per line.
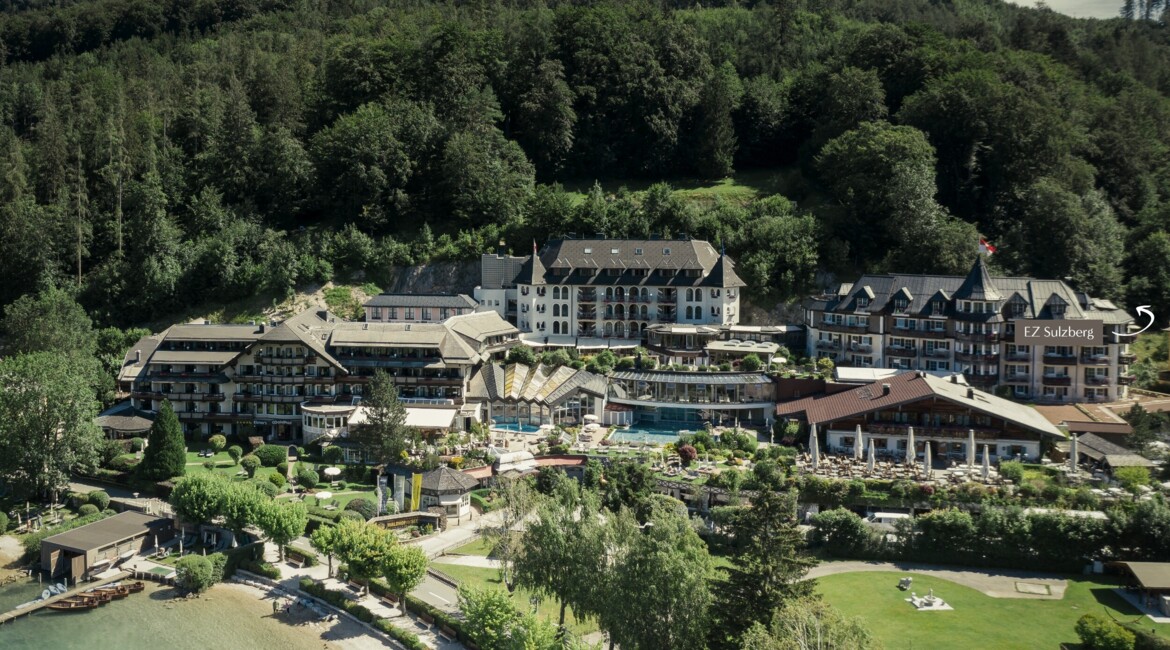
point(343, 633)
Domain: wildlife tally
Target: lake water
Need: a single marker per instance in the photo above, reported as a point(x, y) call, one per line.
point(226, 617)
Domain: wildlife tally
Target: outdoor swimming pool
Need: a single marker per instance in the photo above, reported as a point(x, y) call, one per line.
point(512, 427)
point(646, 434)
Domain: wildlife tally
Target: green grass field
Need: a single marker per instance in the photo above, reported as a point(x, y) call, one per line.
point(480, 547)
point(225, 467)
point(480, 577)
point(740, 187)
point(978, 621)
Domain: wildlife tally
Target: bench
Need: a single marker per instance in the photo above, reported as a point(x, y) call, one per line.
point(355, 586)
point(447, 633)
point(426, 618)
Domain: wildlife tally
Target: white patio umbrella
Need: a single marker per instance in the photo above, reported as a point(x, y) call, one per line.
point(926, 460)
point(869, 464)
point(857, 448)
point(911, 455)
point(323, 495)
point(813, 448)
point(1073, 452)
point(332, 473)
point(971, 448)
point(986, 462)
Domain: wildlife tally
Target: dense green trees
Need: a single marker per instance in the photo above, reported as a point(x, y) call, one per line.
point(47, 429)
point(384, 437)
point(166, 452)
point(168, 155)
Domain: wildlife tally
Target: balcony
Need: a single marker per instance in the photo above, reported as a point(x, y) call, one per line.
point(1094, 360)
point(1097, 380)
point(1126, 357)
point(1060, 360)
point(976, 358)
point(859, 349)
point(1017, 356)
point(1056, 380)
point(835, 327)
point(901, 352)
point(977, 337)
point(282, 379)
point(586, 296)
point(938, 353)
point(668, 295)
point(1017, 378)
point(1125, 380)
point(587, 315)
point(828, 345)
point(981, 380)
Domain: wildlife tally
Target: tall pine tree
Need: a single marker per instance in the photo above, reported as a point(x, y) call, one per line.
point(166, 454)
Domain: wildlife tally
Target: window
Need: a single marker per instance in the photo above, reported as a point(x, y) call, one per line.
point(637, 251)
point(393, 314)
point(901, 304)
point(444, 313)
point(614, 251)
point(666, 251)
point(690, 297)
point(377, 313)
point(410, 313)
point(715, 293)
point(938, 306)
point(588, 251)
point(426, 313)
point(556, 327)
point(690, 313)
point(863, 302)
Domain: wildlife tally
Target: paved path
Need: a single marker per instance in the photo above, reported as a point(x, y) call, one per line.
point(997, 583)
point(471, 560)
point(456, 536)
point(291, 578)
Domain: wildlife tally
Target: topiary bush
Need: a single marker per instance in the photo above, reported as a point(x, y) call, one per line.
point(3, 522)
point(236, 452)
point(87, 510)
point(271, 455)
point(364, 507)
point(333, 455)
point(1103, 634)
point(281, 467)
point(307, 478)
point(350, 514)
point(250, 464)
point(266, 487)
point(217, 442)
point(277, 479)
point(136, 444)
point(99, 499)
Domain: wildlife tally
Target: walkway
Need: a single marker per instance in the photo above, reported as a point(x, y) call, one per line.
point(456, 536)
point(471, 560)
point(997, 583)
point(291, 579)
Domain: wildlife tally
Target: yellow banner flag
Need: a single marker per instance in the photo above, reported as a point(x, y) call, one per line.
point(415, 491)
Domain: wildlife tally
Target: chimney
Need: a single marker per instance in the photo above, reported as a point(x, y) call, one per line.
point(954, 379)
point(262, 326)
point(365, 326)
point(885, 389)
point(922, 374)
point(138, 356)
point(970, 393)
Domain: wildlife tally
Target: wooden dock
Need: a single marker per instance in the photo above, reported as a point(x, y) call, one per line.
point(41, 604)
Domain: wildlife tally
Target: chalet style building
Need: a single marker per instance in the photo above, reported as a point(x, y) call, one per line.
point(597, 288)
point(967, 324)
point(941, 412)
point(417, 307)
point(265, 379)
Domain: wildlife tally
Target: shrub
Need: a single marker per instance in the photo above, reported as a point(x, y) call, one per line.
point(195, 573)
point(236, 452)
point(1132, 477)
point(217, 442)
point(307, 478)
point(271, 455)
point(209, 465)
point(99, 499)
point(136, 444)
point(350, 514)
point(261, 569)
point(1012, 471)
point(267, 487)
point(3, 522)
point(250, 464)
point(87, 510)
point(364, 507)
point(300, 452)
point(1102, 634)
point(341, 485)
point(405, 637)
point(687, 454)
point(124, 463)
point(751, 363)
point(281, 468)
point(277, 479)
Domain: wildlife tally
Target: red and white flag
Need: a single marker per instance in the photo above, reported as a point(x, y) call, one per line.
point(986, 247)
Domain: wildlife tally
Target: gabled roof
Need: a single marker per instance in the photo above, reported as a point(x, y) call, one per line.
point(138, 356)
point(909, 387)
point(213, 332)
point(581, 261)
point(1114, 455)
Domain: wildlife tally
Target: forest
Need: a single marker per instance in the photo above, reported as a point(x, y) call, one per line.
point(158, 154)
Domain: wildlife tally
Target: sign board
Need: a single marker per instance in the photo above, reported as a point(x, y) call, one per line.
point(1060, 332)
point(400, 492)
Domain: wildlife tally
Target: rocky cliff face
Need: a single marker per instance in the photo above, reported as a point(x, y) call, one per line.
point(439, 277)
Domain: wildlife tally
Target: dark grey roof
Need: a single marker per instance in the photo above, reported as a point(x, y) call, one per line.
point(1037, 296)
point(460, 301)
point(703, 378)
point(125, 417)
point(978, 284)
point(110, 530)
point(638, 261)
point(445, 480)
point(1114, 455)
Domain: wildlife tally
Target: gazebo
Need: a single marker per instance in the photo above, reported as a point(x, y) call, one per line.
point(1153, 578)
point(448, 489)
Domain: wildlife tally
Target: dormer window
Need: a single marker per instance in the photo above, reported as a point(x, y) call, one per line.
point(637, 251)
point(863, 302)
point(901, 304)
point(588, 251)
point(1058, 311)
point(938, 306)
point(614, 251)
point(666, 251)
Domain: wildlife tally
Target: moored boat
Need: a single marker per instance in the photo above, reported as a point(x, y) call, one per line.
point(136, 587)
point(70, 605)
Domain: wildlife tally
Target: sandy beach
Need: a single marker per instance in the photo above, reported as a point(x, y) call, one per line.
point(297, 628)
point(10, 552)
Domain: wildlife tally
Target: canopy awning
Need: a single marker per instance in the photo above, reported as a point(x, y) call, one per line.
point(430, 418)
point(1151, 575)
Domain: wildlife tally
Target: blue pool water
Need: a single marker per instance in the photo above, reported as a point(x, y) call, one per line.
point(517, 428)
point(647, 434)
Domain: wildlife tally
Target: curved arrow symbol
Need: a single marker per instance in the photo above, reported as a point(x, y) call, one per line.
point(1144, 309)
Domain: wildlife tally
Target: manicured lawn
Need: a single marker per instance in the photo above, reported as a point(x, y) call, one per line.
point(480, 546)
point(480, 577)
point(978, 621)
